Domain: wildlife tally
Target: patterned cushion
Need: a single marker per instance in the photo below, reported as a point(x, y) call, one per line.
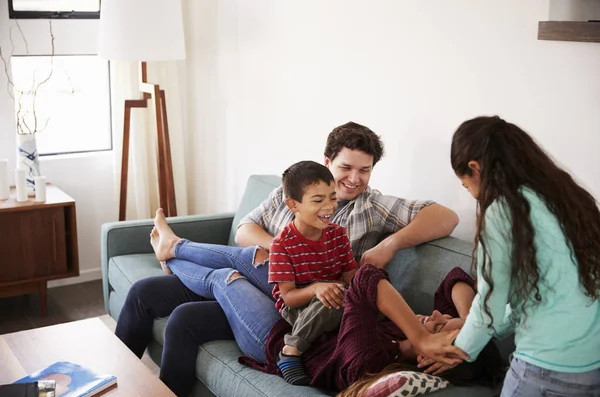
point(405, 383)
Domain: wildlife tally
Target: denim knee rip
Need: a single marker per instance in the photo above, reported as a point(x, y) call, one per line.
point(230, 276)
point(256, 251)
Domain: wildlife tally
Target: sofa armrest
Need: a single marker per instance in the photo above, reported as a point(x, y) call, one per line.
point(133, 237)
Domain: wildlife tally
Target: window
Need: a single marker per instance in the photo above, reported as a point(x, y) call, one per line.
point(72, 108)
point(51, 9)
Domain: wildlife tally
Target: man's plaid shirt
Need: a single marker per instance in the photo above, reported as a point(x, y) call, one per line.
point(367, 218)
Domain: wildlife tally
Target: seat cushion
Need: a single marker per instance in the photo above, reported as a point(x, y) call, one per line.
point(124, 270)
point(218, 368)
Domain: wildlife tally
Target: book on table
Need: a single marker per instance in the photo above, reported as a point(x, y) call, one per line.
point(72, 380)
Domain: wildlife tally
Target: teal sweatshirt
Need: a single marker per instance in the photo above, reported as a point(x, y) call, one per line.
point(562, 332)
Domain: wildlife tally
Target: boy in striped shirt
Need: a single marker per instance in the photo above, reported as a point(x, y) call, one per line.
point(310, 262)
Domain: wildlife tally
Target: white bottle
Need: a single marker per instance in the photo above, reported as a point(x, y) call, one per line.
point(40, 189)
point(4, 189)
point(21, 185)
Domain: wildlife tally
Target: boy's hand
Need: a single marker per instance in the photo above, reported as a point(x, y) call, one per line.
point(330, 294)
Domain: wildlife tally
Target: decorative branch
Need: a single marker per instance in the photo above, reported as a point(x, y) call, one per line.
point(22, 113)
point(44, 81)
point(9, 82)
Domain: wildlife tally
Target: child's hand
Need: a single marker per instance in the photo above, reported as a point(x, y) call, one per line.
point(330, 294)
point(439, 348)
point(434, 367)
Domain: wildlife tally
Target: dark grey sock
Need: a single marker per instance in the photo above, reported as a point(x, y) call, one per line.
point(292, 370)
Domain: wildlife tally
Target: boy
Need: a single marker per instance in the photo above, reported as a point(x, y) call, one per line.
point(308, 261)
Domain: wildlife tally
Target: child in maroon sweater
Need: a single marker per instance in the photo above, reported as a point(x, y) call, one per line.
point(364, 343)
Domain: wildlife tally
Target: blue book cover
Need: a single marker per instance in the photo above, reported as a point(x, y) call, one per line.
point(72, 380)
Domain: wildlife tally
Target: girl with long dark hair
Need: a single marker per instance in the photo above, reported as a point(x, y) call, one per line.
point(538, 261)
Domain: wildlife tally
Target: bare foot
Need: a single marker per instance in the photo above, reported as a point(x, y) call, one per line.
point(291, 351)
point(166, 239)
point(165, 267)
point(155, 242)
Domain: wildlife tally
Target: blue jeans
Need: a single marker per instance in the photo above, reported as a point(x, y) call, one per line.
point(242, 311)
point(216, 256)
point(527, 380)
point(187, 326)
point(251, 313)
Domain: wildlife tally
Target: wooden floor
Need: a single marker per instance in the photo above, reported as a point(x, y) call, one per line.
point(68, 303)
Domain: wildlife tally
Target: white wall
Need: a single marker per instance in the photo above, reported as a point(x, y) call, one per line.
point(88, 178)
point(269, 79)
point(272, 78)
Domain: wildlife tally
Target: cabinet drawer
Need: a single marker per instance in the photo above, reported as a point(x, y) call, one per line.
point(32, 244)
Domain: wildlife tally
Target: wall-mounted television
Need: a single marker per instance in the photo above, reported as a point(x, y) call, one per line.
point(54, 9)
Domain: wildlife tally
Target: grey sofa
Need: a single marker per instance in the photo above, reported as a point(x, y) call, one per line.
point(127, 257)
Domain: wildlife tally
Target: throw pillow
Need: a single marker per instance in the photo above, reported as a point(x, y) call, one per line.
point(405, 383)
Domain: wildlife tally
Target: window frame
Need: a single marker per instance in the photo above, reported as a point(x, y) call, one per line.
point(16, 14)
point(110, 111)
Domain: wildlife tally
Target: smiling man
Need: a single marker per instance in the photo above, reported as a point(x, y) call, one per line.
point(351, 152)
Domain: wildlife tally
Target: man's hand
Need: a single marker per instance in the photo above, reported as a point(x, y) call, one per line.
point(439, 348)
point(330, 294)
point(435, 368)
point(377, 256)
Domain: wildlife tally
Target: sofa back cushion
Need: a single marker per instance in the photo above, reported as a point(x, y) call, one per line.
point(257, 190)
point(417, 272)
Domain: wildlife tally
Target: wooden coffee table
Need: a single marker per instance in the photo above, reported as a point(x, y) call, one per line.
point(88, 343)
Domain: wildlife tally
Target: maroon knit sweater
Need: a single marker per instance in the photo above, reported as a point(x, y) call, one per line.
point(364, 343)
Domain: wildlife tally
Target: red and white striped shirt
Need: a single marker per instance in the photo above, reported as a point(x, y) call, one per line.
point(295, 258)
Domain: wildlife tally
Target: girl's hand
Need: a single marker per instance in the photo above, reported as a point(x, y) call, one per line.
point(435, 368)
point(439, 348)
point(330, 294)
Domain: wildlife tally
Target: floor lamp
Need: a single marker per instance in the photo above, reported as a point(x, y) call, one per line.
point(144, 30)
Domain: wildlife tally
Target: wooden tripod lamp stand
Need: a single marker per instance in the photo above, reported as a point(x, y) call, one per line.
point(144, 30)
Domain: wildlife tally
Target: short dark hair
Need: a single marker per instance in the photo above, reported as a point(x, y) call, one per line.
point(302, 174)
point(354, 137)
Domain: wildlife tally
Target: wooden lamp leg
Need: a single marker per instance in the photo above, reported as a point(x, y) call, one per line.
point(129, 104)
point(170, 183)
point(160, 155)
point(166, 187)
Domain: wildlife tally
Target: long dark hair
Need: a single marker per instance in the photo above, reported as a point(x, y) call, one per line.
point(510, 159)
point(488, 369)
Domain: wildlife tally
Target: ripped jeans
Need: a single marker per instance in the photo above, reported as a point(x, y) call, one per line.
point(207, 269)
point(216, 256)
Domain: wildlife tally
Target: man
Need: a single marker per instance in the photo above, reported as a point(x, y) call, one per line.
point(237, 278)
point(351, 152)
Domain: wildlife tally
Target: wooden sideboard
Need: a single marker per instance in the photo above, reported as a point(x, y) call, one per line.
point(38, 242)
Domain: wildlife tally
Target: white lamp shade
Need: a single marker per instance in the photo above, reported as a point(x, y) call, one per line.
point(141, 30)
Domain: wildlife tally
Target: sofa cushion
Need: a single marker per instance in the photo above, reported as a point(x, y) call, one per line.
point(218, 368)
point(124, 270)
point(417, 272)
point(257, 190)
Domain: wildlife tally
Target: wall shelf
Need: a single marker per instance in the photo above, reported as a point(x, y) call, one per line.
point(569, 31)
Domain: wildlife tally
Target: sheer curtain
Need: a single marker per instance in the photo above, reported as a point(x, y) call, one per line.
point(142, 182)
